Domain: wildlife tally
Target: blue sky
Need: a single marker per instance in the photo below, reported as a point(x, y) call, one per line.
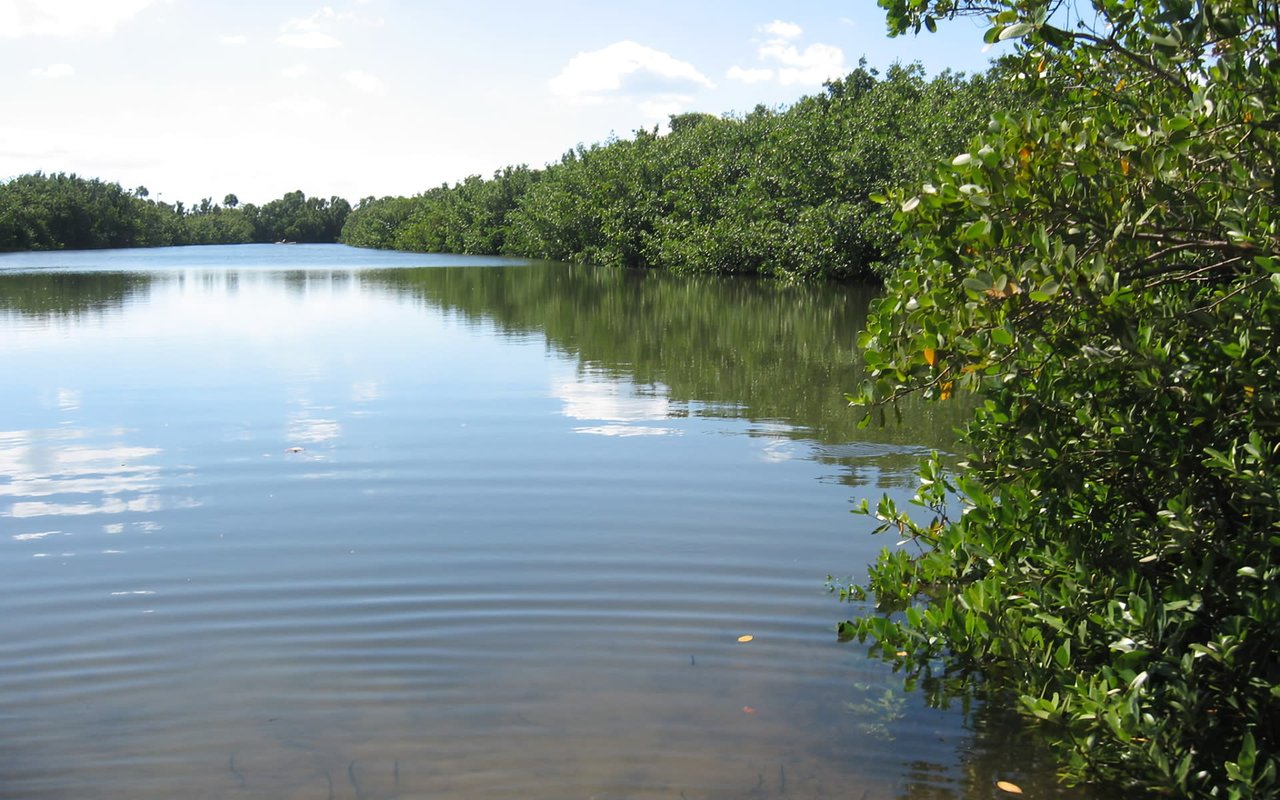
point(200, 98)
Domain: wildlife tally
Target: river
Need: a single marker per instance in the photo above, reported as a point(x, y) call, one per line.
point(314, 522)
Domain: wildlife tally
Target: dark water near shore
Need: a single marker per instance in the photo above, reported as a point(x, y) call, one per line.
point(314, 522)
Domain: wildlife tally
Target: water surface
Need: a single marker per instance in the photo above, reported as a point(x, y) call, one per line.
point(314, 522)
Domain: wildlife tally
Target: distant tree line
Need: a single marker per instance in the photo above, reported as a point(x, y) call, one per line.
point(776, 192)
point(60, 211)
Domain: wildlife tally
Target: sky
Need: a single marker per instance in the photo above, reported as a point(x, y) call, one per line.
point(359, 98)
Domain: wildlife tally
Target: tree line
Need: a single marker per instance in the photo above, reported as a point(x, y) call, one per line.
point(783, 193)
point(65, 211)
point(778, 192)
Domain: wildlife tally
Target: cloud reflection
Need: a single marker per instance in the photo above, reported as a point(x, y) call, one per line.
point(365, 391)
point(57, 473)
point(69, 399)
point(312, 430)
point(31, 537)
point(617, 404)
point(36, 471)
point(144, 505)
point(628, 430)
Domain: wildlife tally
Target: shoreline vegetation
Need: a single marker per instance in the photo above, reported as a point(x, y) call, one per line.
point(778, 193)
point(784, 193)
point(67, 212)
point(1102, 275)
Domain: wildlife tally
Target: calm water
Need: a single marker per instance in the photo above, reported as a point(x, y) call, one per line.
point(313, 522)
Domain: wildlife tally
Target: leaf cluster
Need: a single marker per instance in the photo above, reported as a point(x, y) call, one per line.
point(1104, 275)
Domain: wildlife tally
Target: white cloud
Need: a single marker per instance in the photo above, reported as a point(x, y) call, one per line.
point(233, 40)
point(311, 40)
point(782, 30)
point(317, 30)
point(322, 20)
point(69, 18)
point(365, 82)
point(296, 71)
point(792, 66)
point(54, 71)
point(749, 75)
point(625, 69)
point(815, 64)
point(662, 107)
point(302, 105)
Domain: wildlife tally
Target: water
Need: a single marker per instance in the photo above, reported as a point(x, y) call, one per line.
point(313, 522)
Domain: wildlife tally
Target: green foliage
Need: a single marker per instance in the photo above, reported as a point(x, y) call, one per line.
point(60, 211)
point(779, 193)
point(298, 218)
point(1104, 275)
point(44, 212)
point(209, 224)
point(375, 221)
point(470, 217)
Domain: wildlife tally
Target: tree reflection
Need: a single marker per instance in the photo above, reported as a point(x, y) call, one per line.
point(733, 347)
point(60, 295)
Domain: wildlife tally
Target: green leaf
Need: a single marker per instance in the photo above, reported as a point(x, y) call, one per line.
point(1015, 31)
point(977, 230)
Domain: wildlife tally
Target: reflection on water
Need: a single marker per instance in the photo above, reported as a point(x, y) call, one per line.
point(64, 472)
point(620, 407)
point(292, 528)
point(65, 295)
point(736, 348)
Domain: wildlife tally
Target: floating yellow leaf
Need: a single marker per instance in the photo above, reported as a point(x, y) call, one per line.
point(1120, 85)
point(930, 356)
point(1011, 788)
point(945, 392)
point(1124, 166)
point(901, 654)
point(1248, 392)
point(745, 639)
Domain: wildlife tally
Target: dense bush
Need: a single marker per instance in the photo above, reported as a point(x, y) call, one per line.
point(1105, 274)
point(783, 193)
point(60, 211)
